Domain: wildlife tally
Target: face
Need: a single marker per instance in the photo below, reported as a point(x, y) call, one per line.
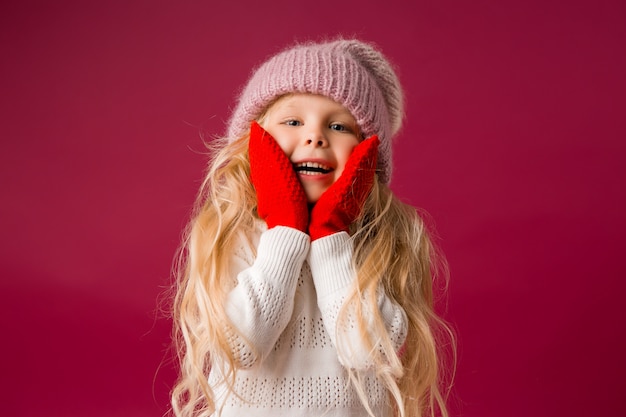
point(317, 134)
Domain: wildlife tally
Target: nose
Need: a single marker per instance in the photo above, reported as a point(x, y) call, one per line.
point(316, 138)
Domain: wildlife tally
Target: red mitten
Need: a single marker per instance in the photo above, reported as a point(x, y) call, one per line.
point(341, 204)
point(280, 197)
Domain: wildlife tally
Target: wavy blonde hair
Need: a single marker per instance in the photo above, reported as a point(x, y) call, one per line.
point(392, 251)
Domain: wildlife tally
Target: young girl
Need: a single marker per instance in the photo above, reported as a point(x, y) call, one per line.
point(305, 285)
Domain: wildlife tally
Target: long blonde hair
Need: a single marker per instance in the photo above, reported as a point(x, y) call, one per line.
point(392, 251)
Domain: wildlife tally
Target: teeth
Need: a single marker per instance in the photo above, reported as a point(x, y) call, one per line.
point(311, 165)
point(312, 168)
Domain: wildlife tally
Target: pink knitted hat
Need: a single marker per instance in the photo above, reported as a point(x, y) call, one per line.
point(350, 72)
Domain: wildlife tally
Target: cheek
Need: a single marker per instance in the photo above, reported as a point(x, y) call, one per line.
point(342, 157)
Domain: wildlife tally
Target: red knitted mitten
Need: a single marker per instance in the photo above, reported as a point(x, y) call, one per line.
point(341, 204)
point(280, 197)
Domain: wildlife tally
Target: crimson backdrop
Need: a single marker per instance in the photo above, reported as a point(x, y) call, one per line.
point(513, 142)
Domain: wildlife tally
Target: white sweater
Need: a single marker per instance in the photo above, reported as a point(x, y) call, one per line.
point(285, 303)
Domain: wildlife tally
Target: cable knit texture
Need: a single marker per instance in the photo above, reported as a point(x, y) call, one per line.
point(280, 197)
point(351, 72)
point(285, 304)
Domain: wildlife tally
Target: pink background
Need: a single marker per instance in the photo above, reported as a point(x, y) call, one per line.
point(514, 142)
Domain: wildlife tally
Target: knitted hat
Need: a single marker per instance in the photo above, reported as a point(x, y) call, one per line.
point(350, 72)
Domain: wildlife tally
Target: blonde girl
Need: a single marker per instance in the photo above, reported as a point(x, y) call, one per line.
point(304, 285)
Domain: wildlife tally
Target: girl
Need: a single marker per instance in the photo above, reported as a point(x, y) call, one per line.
point(305, 285)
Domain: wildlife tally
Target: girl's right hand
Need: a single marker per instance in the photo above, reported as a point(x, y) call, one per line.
point(281, 200)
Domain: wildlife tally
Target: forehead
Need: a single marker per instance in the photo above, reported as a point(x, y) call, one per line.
point(312, 102)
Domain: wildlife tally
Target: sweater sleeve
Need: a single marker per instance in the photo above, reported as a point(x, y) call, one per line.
point(261, 303)
point(333, 275)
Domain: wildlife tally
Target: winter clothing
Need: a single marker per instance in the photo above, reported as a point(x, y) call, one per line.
point(285, 303)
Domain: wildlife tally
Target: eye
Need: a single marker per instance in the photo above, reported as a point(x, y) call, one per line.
point(339, 127)
point(292, 122)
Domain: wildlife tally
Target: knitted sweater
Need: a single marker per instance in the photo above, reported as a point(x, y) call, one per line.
point(285, 303)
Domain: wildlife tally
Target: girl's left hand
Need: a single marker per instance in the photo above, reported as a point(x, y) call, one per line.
point(341, 204)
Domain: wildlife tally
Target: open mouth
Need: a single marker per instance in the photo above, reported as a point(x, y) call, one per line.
point(312, 168)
